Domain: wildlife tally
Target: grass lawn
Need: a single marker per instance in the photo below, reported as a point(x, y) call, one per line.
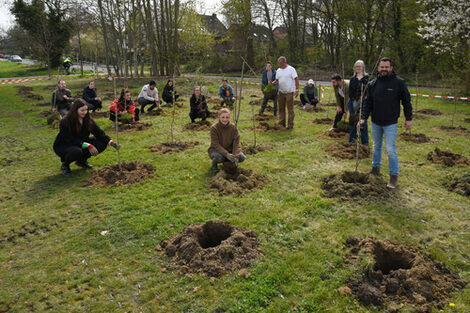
point(11, 69)
point(54, 259)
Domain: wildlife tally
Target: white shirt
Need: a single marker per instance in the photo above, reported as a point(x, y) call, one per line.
point(340, 91)
point(148, 93)
point(286, 78)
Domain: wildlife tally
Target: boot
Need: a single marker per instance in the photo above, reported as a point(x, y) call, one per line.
point(393, 181)
point(84, 164)
point(215, 168)
point(65, 168)
point(375, 171)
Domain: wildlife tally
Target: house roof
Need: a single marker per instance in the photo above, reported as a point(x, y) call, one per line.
point(214, 25)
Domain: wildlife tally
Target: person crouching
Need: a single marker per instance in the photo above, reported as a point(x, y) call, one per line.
point(198, 106)
point(73, 142)
point(122, 106)
point(225, 142)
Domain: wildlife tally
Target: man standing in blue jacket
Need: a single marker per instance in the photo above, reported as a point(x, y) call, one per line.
point(384, 95)
point(267, 78)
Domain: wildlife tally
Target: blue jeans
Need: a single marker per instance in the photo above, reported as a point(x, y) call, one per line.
point(390, 132)
point(352, 104)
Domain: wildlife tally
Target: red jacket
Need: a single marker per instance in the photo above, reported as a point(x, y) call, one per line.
point(130, 108)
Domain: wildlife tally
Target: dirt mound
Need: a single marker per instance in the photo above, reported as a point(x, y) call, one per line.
point(466, 120)
point(32, 97)
point(23, 90)
point(44, 114)
point(134, 127)
point(264, 117)
point(171, 147)
point(314, 109)
point(420, 117)
point(254, 150)
point(242, 181)
point(326, 120)
point(429, 112)
point(416, 138)
point(460, 185)
point(99, 114)
point(346, 150)
point(215, 248)
point(156, 112)
point(110, 176)
point(448, 158)
point(198, 126)
point(329, 104)
point(399, 276)
point(43, 104)
point(178, 105)
point(357, 185)
point(213, 101)
point(459, 130)
point(270, 128)
point(334, 134)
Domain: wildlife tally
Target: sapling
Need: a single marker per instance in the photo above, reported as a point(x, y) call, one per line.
point(117, 126)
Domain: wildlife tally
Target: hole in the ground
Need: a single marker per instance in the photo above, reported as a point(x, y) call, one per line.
point(355, 177)
point(214, 233)
point(391, 260)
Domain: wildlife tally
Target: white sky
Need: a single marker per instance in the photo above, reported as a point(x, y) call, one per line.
point(7, 19)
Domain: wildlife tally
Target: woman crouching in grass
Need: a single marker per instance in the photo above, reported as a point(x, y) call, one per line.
point(225, 142)
point(73, 142)
point(122, 106)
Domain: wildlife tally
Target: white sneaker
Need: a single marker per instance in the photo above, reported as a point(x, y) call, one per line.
point(305, 107)
point(332, 128)
point(114, 125)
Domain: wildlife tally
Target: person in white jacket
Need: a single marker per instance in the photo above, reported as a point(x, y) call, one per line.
point(149, 95)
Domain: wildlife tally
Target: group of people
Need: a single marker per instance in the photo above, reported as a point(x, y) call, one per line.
point(380, 98)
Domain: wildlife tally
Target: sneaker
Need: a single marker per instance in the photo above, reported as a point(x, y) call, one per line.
point(114, 125)
point(84, 164)
point(305, 107)
point(65, 168)
point(332, 129)
point(393, 181)
point(375, 171)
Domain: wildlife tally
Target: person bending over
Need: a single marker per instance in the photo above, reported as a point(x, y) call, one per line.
point(91, 97)
point(169, 94)
point(198, 105)
point(341, 90)
point(310, 95)
point(148, 95)
point(73, 142)
point(225, 142)
point(123, 105)
point(61, 99)
point(226, 93)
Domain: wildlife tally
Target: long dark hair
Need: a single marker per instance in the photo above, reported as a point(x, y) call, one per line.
point(168, 83)
point(72, 121)
point(122, 98)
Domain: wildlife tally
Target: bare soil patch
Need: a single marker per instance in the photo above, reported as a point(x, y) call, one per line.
point(178, 105)
point(460, 185)
point(214, 249)
point(253, 150)
point(329, 104)
point(32, 228)
point(466, 120)
point(400, 276)
point(265, 117)
point(173, 147)
point(213, 101)
point(459, 130)
point(198, 126)
point(346, 150)
point(348, 184)
point(326, 121)
point(156, 112)
point(242, 181)
point(110, 176)
point(23, 90)
point(448, 158)
point(134, 127)
point(269, 128)
point(416, 137)
point(314, 109)
point(429, 112)
point(256, 102)
point(43, 104)
point(334, 134)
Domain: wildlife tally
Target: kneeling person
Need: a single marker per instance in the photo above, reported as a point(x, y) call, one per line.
point(225, 142)
point(91, 97)
point(73, 142)
point(198, 106)
point(123, 105)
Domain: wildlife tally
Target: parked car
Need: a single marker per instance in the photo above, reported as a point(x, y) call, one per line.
point(16, 58)
point(2, 56)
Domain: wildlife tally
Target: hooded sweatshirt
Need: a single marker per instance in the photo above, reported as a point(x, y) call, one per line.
point(225, 138)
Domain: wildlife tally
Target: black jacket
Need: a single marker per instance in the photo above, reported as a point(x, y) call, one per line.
point(68, 137)
point(167, 94)
point(198, 104)
point(89, 94)
point(382, 102)
point(356, 86)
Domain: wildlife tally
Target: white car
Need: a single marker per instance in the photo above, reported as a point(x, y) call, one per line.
point(15, 58)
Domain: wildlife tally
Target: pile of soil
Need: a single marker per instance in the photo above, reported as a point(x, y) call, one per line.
point(23, 90)
point(460, 185)
point(134, 127)
point(335, 134)
point(43, 104)
point(459, 130)
point(266, 127)
point(198, 126)
point(314, 109)
point(448, 158)
point(264, 117)
point(171, 147)
point(325, 120)
point(155, 112)
point(241, 182)
point(253, 150)
point(466, 120)
point(400, 276)
point(429, 112)
point(357, 185)
point(178, 105)
point(44, 114)
point(97, 114)
point(215, 248)
point(416, 138)
point(110, 176)
point(213, 101)
point(346, 150)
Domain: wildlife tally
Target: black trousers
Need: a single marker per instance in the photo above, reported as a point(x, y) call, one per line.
point(94, 105)
point(195, 114)
point(338, 116)
point(305, 100)
point(169, 99)
point(143, 102)
point(68, 154)
point(112, 115)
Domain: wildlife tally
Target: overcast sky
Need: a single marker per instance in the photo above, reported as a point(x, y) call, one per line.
point(6, 18)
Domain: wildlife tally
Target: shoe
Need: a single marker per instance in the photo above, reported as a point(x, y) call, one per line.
point(84, 164)
point(332, 129)
point(65, 168)
point(375, 171)
point(114, 125)
point(393, 181)
point(305, 107)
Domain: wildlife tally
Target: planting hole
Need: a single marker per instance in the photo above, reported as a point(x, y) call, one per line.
point(214, 233)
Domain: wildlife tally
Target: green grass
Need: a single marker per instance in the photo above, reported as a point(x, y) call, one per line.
point(65, 265)
point(11, 69)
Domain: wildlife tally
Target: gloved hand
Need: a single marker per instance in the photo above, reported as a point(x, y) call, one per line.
point(114, 144)
point(230, 157)
point(91, 148)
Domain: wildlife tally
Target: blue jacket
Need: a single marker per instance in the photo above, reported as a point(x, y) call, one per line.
point(221, 91)
point(264, 79)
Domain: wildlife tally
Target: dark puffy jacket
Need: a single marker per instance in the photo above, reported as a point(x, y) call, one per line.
point(384, 95)
point(89, 94)
point(69, 137)
point(356, 86)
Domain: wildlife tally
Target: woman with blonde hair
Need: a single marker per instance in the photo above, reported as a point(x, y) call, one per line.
point(225, 142)
point(357, 86)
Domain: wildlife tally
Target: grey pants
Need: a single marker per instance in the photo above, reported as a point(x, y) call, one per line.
point(219, 158)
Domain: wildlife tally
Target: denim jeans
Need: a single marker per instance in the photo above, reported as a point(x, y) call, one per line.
point(353, 130)
point(390, 132)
